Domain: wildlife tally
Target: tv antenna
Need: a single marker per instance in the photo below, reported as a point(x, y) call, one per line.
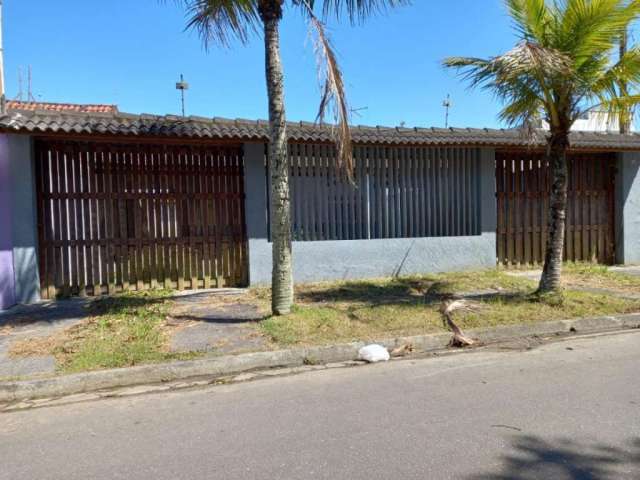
point(20, 95)
point(356, 111)
point(446, 103)
point(182, 86)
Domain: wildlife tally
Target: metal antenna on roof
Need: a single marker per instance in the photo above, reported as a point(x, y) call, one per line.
point(30, 97)
point(20, 92)
point(182, 86)
point(446, 103)
point(356, 111)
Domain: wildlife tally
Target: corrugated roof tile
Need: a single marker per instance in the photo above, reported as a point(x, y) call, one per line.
point(48, 121)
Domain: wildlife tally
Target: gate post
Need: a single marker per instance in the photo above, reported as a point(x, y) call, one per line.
point(19, 278)
point(488, 200)
point(7, 275)
point(628, 208)
point(255, 188)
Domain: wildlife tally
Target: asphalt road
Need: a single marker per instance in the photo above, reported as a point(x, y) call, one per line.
point(568, 410)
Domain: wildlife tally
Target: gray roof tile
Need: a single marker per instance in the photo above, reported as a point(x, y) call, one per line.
point(42, 122)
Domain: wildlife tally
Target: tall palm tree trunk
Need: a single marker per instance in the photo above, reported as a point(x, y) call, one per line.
point(557, 153)
point(282, 279)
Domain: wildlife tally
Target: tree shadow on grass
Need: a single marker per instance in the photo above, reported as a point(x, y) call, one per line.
point(566, 459)
point(396, 291)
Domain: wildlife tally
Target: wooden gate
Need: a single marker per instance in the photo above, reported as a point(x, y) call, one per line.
point(115, 217)
point(523, 184)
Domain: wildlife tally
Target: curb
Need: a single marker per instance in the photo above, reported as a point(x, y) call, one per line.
point(212, 368)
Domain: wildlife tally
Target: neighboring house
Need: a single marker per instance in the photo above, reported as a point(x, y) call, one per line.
point(19, 105)
point(594, 121)
point(97, 201)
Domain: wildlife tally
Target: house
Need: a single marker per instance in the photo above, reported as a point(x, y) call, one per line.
point(95, 201)
point(593, 121)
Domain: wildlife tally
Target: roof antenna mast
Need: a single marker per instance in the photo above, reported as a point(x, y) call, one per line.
point(182, 86)
point(446, 103)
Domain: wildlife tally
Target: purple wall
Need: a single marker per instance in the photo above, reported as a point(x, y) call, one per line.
point(7, 275)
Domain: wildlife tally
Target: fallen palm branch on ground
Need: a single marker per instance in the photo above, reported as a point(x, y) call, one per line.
point(446, 309)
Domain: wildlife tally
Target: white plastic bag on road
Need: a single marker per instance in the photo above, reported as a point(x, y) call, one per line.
point(373, 353)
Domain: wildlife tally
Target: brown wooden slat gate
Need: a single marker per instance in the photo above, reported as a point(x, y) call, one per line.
point(115, 217)
point(523, 185)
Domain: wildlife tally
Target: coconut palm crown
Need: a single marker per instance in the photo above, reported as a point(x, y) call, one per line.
point(562, 67)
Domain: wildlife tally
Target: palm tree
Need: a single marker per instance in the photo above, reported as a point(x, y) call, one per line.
point(561, 68)
point(222, 20)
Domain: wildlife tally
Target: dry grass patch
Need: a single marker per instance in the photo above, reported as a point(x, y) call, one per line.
point(33, 347)
point(599, 276)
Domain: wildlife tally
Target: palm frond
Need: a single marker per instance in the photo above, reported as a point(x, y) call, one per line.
point(334, 96)
point(531, 18)
point(220, 21)
point(355, 10)
point(591, 28)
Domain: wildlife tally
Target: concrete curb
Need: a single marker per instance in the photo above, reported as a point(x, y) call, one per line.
point(216, 367)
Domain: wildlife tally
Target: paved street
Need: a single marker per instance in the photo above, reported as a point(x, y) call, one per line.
point(568, 410)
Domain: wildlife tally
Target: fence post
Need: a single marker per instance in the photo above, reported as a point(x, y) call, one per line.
point(628, 208)
point(255, 187)
point(487, 197)
point(7, 276)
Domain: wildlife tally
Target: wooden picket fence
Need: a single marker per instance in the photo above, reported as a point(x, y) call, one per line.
point(523, 185)
point(116, 217)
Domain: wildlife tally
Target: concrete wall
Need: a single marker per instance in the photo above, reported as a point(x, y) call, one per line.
point(351, 259)
point(7, 277)
point(628, 208)
point(18, 222)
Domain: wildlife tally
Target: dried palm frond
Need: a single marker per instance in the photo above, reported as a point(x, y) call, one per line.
point(446, 309)
point(334, 97)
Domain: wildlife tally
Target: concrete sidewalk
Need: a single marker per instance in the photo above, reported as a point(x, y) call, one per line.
point(39, 320)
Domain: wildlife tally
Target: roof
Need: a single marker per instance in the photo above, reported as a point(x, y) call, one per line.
point(61, 107)
point(200, 128)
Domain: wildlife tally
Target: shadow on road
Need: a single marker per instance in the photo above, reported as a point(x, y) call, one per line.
point(564, 459)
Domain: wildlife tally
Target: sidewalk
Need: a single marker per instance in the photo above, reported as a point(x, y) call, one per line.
point(40, 320)
point(224, 332)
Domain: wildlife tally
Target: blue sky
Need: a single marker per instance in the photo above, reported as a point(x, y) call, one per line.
point(131, 52)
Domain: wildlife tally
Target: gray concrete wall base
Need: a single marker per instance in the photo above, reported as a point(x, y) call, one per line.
point(354, 259)
point(628, 208)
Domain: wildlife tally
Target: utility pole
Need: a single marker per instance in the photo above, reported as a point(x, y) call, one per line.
point(3, 98)
point(625, 113)
point(447, 105)
point(182, 86)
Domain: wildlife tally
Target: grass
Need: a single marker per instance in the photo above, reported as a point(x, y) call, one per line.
point(131, 329)
point(122, 330)
point(370, 310)
point(599, 276)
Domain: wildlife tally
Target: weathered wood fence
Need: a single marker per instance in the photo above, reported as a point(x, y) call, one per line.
point(523, 184)
point(130, 216)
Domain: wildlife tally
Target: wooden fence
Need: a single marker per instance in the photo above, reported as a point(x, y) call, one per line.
point(523, 184)
point(398, 192)
point(114, 217)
